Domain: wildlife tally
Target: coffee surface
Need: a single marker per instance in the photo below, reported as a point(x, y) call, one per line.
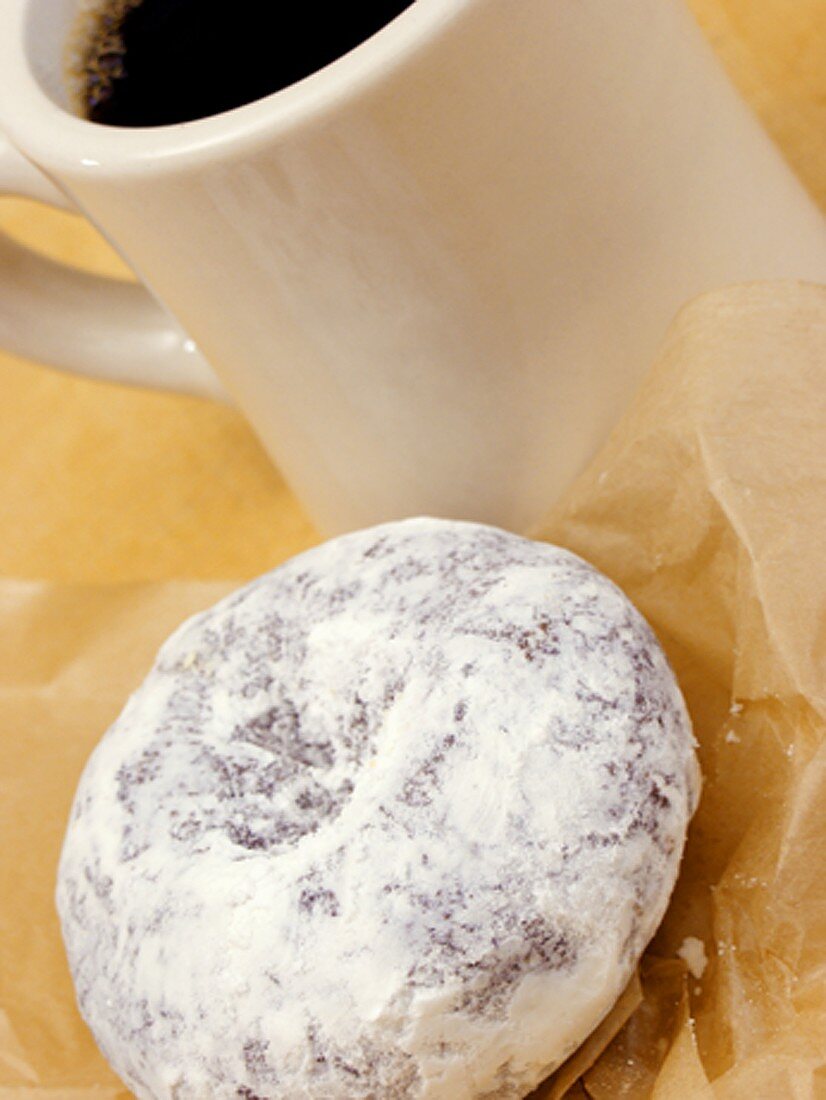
point(156, 62)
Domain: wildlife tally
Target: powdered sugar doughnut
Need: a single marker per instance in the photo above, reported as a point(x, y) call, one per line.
point(394, 820)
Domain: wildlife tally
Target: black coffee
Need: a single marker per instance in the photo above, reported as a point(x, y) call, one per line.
point(154, 62)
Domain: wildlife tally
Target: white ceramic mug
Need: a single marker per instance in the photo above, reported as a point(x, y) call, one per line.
point(431, 273)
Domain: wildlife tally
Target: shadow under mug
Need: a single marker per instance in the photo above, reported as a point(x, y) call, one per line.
point(432, 273)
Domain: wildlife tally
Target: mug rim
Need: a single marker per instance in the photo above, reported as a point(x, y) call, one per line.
point(58, 139)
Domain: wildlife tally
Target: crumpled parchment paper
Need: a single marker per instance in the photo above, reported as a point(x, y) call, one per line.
point(708, 506)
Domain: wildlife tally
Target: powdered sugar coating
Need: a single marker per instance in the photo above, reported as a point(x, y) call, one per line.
point(394, 820)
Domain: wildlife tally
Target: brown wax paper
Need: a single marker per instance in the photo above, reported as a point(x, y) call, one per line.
point(708, 506)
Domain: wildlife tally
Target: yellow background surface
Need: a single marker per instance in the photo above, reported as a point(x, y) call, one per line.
point(101, 484)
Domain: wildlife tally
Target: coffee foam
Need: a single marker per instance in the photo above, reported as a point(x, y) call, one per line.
point(94, 52)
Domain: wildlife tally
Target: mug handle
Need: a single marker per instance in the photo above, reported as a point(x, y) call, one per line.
point(103, 328)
